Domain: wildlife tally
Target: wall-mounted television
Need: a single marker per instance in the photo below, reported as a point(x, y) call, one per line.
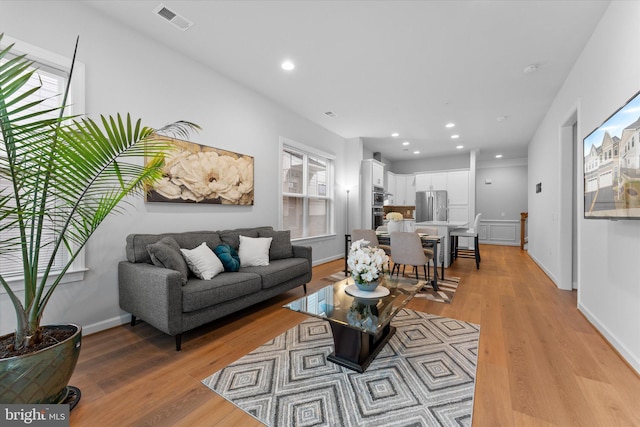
point(612, 165)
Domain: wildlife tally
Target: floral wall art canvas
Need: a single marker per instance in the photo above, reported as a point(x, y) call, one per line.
point(197, 173)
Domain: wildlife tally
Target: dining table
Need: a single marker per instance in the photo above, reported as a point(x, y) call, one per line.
point(428, 241)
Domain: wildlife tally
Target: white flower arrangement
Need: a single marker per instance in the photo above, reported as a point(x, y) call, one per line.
point(366, 263)
point(395, 216)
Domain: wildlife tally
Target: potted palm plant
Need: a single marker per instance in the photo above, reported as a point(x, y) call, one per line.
point(60, 177)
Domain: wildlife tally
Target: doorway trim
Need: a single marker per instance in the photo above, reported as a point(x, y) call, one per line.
point(569, 200)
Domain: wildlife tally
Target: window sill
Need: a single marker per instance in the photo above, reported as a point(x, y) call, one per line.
point(313, 239)
point(16, 282)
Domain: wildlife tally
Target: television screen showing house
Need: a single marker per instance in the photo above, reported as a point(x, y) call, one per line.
point(612, 165)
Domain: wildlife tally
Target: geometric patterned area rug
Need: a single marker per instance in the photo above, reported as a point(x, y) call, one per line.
point(446, 290)
point(424, 376)
point(446, 287)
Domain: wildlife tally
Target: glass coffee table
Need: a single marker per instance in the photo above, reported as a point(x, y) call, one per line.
point(360, 326)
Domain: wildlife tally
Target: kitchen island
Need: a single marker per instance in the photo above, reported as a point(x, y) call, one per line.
point(444, 228)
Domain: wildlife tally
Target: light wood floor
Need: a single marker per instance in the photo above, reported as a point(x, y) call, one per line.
point(540, 362)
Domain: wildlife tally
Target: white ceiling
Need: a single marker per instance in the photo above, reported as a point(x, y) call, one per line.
point(390, 66)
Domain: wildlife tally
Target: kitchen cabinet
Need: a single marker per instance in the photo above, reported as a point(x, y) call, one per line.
point(456, 183)
point(403, 188)
point(377, 174)
point(408, 225)
point(372, 174)
point(391, 188)
point(431, 181)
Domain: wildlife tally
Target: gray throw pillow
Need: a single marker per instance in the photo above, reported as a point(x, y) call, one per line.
point(166, 253)
point(280, 245)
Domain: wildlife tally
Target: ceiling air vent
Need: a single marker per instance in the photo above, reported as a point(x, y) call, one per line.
point(179, 21)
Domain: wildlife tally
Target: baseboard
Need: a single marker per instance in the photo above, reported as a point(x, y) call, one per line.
point(106, 324)
point(619, 348)
point(543, 268)
point(498, 243)
point(324, 260)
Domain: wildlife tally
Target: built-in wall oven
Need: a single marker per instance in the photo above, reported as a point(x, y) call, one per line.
point(378, 197)
point(377, 217)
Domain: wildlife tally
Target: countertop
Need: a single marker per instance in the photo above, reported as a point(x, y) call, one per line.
point(449, 224)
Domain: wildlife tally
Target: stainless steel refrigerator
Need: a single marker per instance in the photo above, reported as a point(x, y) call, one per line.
point(432, 206)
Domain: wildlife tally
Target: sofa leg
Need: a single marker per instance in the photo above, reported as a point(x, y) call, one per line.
point(305, 288)
point(178, 342)
point(133, 320)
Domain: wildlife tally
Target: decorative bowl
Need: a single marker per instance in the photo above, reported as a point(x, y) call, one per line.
point(367, 286)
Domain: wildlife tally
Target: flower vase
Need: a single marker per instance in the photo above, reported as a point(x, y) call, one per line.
point(367, 286)
point(394, 226)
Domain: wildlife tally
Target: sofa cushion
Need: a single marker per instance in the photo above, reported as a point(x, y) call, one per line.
point(254, 251)
point(137, 243)
point(198, 294)
point(165, 253)
point(203, 262)
point(279, 271)
point(280, 245)
point(232, 237)
point(228, 256)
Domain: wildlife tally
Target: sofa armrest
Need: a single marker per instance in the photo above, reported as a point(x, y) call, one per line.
point(303, 252)
point(153, 294)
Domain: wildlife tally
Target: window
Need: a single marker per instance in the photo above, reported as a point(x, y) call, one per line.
point(307, 191)
point(52, 76)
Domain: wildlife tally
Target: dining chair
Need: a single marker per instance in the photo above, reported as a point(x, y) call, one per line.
point(456, 233)
point(430, 231)
point(369, 236)
point(406, 249)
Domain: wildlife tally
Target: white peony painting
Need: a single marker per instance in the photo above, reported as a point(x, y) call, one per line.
point(197, 173)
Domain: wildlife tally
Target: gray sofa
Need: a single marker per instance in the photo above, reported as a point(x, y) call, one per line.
point(175, 301)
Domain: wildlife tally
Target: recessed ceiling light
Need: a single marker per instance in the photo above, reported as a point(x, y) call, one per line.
point(498, 156)
point(416, 152)
point(395, 134)
point(405, 143)
point(531, 68)
point(449, 125)
point(455, 136)
point(288, 65)
point(501, 118)
point(459, 147)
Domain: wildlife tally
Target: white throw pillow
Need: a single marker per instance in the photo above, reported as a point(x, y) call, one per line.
point(254, 251)
point(203, 262)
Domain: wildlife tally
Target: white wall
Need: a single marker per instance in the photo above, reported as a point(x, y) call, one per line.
point(431, 164)
point(605, 76)
point(128, 73)
point(506, 196)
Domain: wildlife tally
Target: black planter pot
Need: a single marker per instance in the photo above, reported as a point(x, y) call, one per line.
point(41, 376)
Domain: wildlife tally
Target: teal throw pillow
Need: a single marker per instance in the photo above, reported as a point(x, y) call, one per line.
point(229, 257)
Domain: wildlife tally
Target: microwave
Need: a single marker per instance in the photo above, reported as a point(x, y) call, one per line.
point(378, 196)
